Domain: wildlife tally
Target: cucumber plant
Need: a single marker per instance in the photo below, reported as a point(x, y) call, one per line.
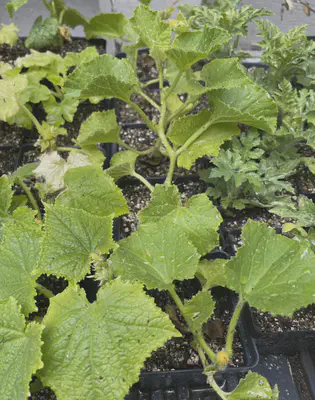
point(96, 350)
point(53, 31)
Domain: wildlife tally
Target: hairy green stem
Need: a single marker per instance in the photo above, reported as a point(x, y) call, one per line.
point(61, 16)
point(67, 148)
point(140, 153)
point(30, 196)
point(31, 116)
point(232, 326)
point(174, 84)
point(197, 335)
point(170, 174)
point(46, 292)
point(216, 387)
point(180, 111)
point(144, 85)
point(143, 180)
point(194, 137)
point(143, 116)
point(149, 100)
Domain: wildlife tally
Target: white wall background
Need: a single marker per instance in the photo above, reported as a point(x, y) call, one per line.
point(25, 17)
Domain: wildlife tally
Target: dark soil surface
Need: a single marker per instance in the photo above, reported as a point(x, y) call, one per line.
point(126, 114)
point(303, 320)
point(8, 160)
point(146, 67)
point(44, 394)
point(138, 196)
point(30, 155)
point(141, 138)
point(11, 134)
point(8, 54)
point(178, 353)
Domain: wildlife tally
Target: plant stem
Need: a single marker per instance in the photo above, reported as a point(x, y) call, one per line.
point(67, 149)
point(232, 326)
point(143, 116)
point(30, 196)
point(170, 174)
point(141, 153)
point(46, 292)
point(216, 387)
point(197, 335)
point(61, 16)
point(144, 85)
point(31, 116)
point(194, 137)
point(180, 111)
point(174, 84)
point(149, 100)
point(143, 180)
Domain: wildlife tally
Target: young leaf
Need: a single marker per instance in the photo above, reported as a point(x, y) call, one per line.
point(235, 98)
point(152, 30)
point(35, 91)
point(191, 47)
point(212, 273)
point(8, 34)
point(91, 189)
point(199, 220)
point(111, 26)
point(75, 59)
point(164, 200)
point(20, 251)
point(122, 164)
point(304, 213)
point(6, 195)
point(14, 5)
point(37, 59)
point(100, 127)
point(106, 343)
point(272, 272)
point(199, 309)
point(59, 112)
point(10, 90)
point(44, 34)
point(72, 235)
point(20, 347)
point(208, 143)
point(72, 17)
point(253, 386)
point(156, 254)
point(104, 77)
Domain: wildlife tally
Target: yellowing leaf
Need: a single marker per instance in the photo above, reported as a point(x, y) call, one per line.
point(8, 34)
point(106, 342)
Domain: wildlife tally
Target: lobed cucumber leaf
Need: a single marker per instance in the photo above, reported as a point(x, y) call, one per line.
point(111, 25)
point(97, 350)
point(122, 164)
point(199, 309)
point(8, 34)
point(20, 351)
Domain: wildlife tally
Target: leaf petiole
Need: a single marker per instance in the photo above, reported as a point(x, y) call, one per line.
point(149, 100)
point(30, 196)
point(46, 292)
point(212, 382)
point(232, 326)
point(143, 180)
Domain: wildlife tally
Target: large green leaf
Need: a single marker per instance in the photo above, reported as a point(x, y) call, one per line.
point(20, 351)
point(199, 309)
point(10, 89)
point(253, 387)
point(208, 143)
point(165, 199)
point(152, 30)
point(272, 272)
point(19, 251)
point(6, 195)
point(71, 237)
point(235, 98)
point(111, 26)
point(72, 17)
point(14, 5)
point(156, 254)
point(191, 47)
point(74, 59)
point(100, 127)
point(8, 34)
point(37, 59)
point(91, 189)
point(105, 77)
point(96, 351)
point(122, 164)
point(44, 34)
point(199, 220)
